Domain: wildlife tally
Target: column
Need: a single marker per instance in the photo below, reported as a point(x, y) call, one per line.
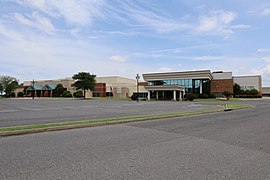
point(180, 95)
point(174, 95)
point(157, 95)
point(148, 96)
point(201, 86)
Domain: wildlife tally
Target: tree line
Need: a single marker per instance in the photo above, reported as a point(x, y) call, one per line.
point(83, 81)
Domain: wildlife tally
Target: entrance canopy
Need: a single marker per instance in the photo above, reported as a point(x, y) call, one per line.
point(173, 92)
point(165, 88)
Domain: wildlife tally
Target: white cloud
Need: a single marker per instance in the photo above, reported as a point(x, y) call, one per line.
point(35, 20)
point(78, 12)
point(207, 58)
point(119, 59)
point(265, 11)
point(165, 69)
point(263, 50)
point(142, 15)
point(264, 70)
point(217, 22)
point(240, 26)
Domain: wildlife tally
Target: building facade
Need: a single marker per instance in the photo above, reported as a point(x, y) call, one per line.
point(222, 81)
point(266, 91)
point(174, 85)
point(249, 82)
point(111, 86)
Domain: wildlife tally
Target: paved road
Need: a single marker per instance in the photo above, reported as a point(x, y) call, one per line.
point(26, 111)
point(227, 145)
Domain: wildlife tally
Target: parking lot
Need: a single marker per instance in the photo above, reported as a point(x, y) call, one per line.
point(14, 112)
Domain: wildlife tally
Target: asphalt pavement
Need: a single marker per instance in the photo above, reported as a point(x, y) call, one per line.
point(226, 145)
point(15, 112)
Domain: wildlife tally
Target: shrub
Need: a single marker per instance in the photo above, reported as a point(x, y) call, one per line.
point(190, 97)
point(67, 94)
point(253, 91)
point(203, 96)
point(237, 96)
point(211, 95)
point(78, 94)
point(12, 94)
point(227, 94)
point(20, 94)
point(134, 97)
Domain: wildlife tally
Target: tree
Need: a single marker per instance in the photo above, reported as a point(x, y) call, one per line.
point(190, 97)
point(8, 83)
point(227, 94)
point(253, 91)
point(1, 88)
point(236, 89)
point(78, 94)
point(67, 94)
point(84, 81)
point(59, 89)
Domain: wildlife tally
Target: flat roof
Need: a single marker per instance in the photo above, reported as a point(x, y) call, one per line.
point(201, 74)
point(247, 76)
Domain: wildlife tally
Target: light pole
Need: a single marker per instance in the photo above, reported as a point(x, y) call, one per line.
point(137, 78)
point(33, 93)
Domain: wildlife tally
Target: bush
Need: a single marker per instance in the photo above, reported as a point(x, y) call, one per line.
point(20, 94)
point(12, 94)
point(134, 97)
point(67, 94)
point(237, 96)
point(191, 97)
point(203, 96)
point(253, 91)
point(78, 94)
point(227, 94)
point(211, 95)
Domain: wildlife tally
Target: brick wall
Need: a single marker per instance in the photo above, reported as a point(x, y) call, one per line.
point(101, 89)
point(221, 85)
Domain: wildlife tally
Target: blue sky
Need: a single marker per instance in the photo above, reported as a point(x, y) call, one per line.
point(51, 39)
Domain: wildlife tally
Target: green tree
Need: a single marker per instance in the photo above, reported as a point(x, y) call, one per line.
point(1, 88)
point(236, 89)
point(9, 84)
point(227, 94)
point(67, 94)
point(59, 89)
point(253, 91)
point(84, 81)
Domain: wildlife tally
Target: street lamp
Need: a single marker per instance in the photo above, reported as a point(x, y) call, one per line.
point(137, 78)
point(33, 85)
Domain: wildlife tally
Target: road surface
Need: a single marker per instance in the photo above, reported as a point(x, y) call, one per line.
point(227, 145)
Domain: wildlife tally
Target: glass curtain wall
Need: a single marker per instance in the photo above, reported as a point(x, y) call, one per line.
point(191, 85)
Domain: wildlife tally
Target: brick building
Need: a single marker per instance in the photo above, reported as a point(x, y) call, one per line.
point(175, 85)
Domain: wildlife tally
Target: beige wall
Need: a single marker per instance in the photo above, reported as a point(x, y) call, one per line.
point(249, 82)
point(122, 87)
point(266, 91)
point(222, 75)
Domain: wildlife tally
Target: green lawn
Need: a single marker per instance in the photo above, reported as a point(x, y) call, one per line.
point(227, 103)
point(99, 122)
point(104, 121)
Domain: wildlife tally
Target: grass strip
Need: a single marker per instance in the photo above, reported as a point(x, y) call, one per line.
point(17, 130)
point(229, 104)
point(99, 122)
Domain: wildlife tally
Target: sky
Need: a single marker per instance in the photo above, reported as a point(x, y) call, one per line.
point(54, 39)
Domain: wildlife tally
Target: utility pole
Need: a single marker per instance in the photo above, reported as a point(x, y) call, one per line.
point(137, 78)
point(33, 89)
